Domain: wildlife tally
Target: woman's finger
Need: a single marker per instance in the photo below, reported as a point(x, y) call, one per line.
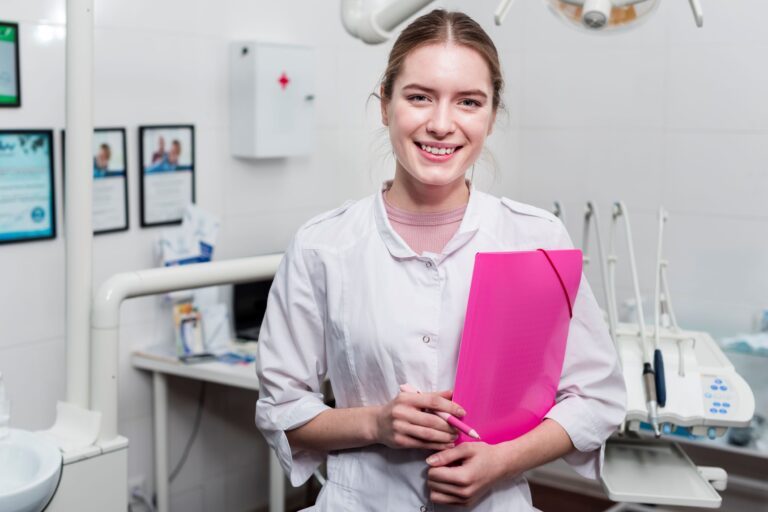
point(426, 433)
point(446, 499)
point(448, 457)
point(452, 490)
point(435, 402)
point(406, 441)
point(428, 420)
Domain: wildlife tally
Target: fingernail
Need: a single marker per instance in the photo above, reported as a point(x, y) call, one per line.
point(462, 412)
point(431, 460)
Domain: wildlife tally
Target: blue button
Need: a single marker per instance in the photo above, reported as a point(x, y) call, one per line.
point(726, 404)
point(713, 410)
point(723, 411)
point(707, 395)
point(723, 388)
point(716, 404)
point(713, 387)
point(718, 381)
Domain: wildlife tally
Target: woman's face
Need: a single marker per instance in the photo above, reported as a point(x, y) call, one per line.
point(440, 112)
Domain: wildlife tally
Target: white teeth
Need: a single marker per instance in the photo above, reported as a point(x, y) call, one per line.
point(437, 151)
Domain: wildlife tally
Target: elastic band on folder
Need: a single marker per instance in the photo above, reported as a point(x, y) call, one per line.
point(562, 284)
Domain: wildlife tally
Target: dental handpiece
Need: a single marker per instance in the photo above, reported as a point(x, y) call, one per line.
point(649, 378)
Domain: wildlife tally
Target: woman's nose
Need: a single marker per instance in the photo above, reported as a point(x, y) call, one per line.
point(441, 121)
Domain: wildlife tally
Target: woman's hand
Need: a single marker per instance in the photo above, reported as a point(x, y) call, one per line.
point(403, 423)
point(463, 475)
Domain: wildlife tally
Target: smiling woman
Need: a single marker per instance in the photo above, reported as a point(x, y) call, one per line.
point(439, 116)
point(440, 94)
point(372, 296)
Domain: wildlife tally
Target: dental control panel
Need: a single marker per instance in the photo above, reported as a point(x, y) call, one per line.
point(704, 392)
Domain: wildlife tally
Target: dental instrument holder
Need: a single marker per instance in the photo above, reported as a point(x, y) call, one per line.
point(705, 396)
point(620, 210)
point(591, 215)
point(658, 358)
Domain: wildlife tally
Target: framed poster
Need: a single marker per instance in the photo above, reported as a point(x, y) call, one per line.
point(110, 180)
point(167, 156)
point(27, 205)
point(10, 77)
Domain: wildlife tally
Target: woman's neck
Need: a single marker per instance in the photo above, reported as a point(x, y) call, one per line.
point(411, 195)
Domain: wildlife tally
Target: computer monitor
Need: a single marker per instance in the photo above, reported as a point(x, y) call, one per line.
point(249, 303)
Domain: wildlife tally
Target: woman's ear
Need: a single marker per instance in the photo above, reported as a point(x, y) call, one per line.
point(384, 104)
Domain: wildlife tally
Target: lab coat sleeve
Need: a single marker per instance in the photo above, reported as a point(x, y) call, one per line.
point(291, 363)
point(591, 398)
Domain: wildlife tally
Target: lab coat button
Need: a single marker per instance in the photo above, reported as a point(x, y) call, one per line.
point(428, 264)
point(426, 339)
point(423, 509)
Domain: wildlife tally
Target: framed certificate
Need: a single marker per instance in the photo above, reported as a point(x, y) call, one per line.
point(167, 156)
point(10, 78)
point(110, 180)
point(27, 206)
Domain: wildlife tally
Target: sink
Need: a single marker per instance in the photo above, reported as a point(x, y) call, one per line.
point(30, 466)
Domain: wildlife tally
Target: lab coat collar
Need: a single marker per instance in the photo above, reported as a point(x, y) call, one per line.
point(397, 246)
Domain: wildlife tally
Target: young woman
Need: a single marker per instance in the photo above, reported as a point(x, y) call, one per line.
point(373, 294)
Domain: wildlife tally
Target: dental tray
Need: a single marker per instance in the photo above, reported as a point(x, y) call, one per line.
point(656, 472)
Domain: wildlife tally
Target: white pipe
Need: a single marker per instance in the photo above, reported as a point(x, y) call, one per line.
point(612, 260)
point(160, 407)
point(276, 483)
point(105, 316)
point(592, 214)
point(621, 210)
point(78, 230)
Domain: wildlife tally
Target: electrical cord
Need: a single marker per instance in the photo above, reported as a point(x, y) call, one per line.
point(198, 417)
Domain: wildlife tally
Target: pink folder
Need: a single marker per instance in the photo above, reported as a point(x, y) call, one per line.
point(513, 344)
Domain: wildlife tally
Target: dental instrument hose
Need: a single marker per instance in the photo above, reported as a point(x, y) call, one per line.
point(649, 376)
point(658, 359)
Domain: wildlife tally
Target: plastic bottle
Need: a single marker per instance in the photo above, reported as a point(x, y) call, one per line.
point(5, 409)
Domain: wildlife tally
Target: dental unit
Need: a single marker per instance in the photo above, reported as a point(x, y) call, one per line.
point(704, 395)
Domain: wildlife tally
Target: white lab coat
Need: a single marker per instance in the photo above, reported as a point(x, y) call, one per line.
point(352, 302)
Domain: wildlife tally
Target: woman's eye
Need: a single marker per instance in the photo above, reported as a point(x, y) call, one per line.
point(417, 98)
point(470, 103)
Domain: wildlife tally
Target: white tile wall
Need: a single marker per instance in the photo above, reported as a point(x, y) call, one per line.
point(667, 114)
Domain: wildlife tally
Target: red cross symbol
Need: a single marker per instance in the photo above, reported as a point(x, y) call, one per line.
point(283, 80)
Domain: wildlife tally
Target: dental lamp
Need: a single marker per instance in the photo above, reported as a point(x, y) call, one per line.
point(374, 20)
point(611, 15)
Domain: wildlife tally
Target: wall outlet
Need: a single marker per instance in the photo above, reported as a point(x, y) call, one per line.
point(136, 484)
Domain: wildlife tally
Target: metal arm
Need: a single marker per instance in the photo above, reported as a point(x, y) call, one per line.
point(591, 215)
point(105, 316)
point(374, 20)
